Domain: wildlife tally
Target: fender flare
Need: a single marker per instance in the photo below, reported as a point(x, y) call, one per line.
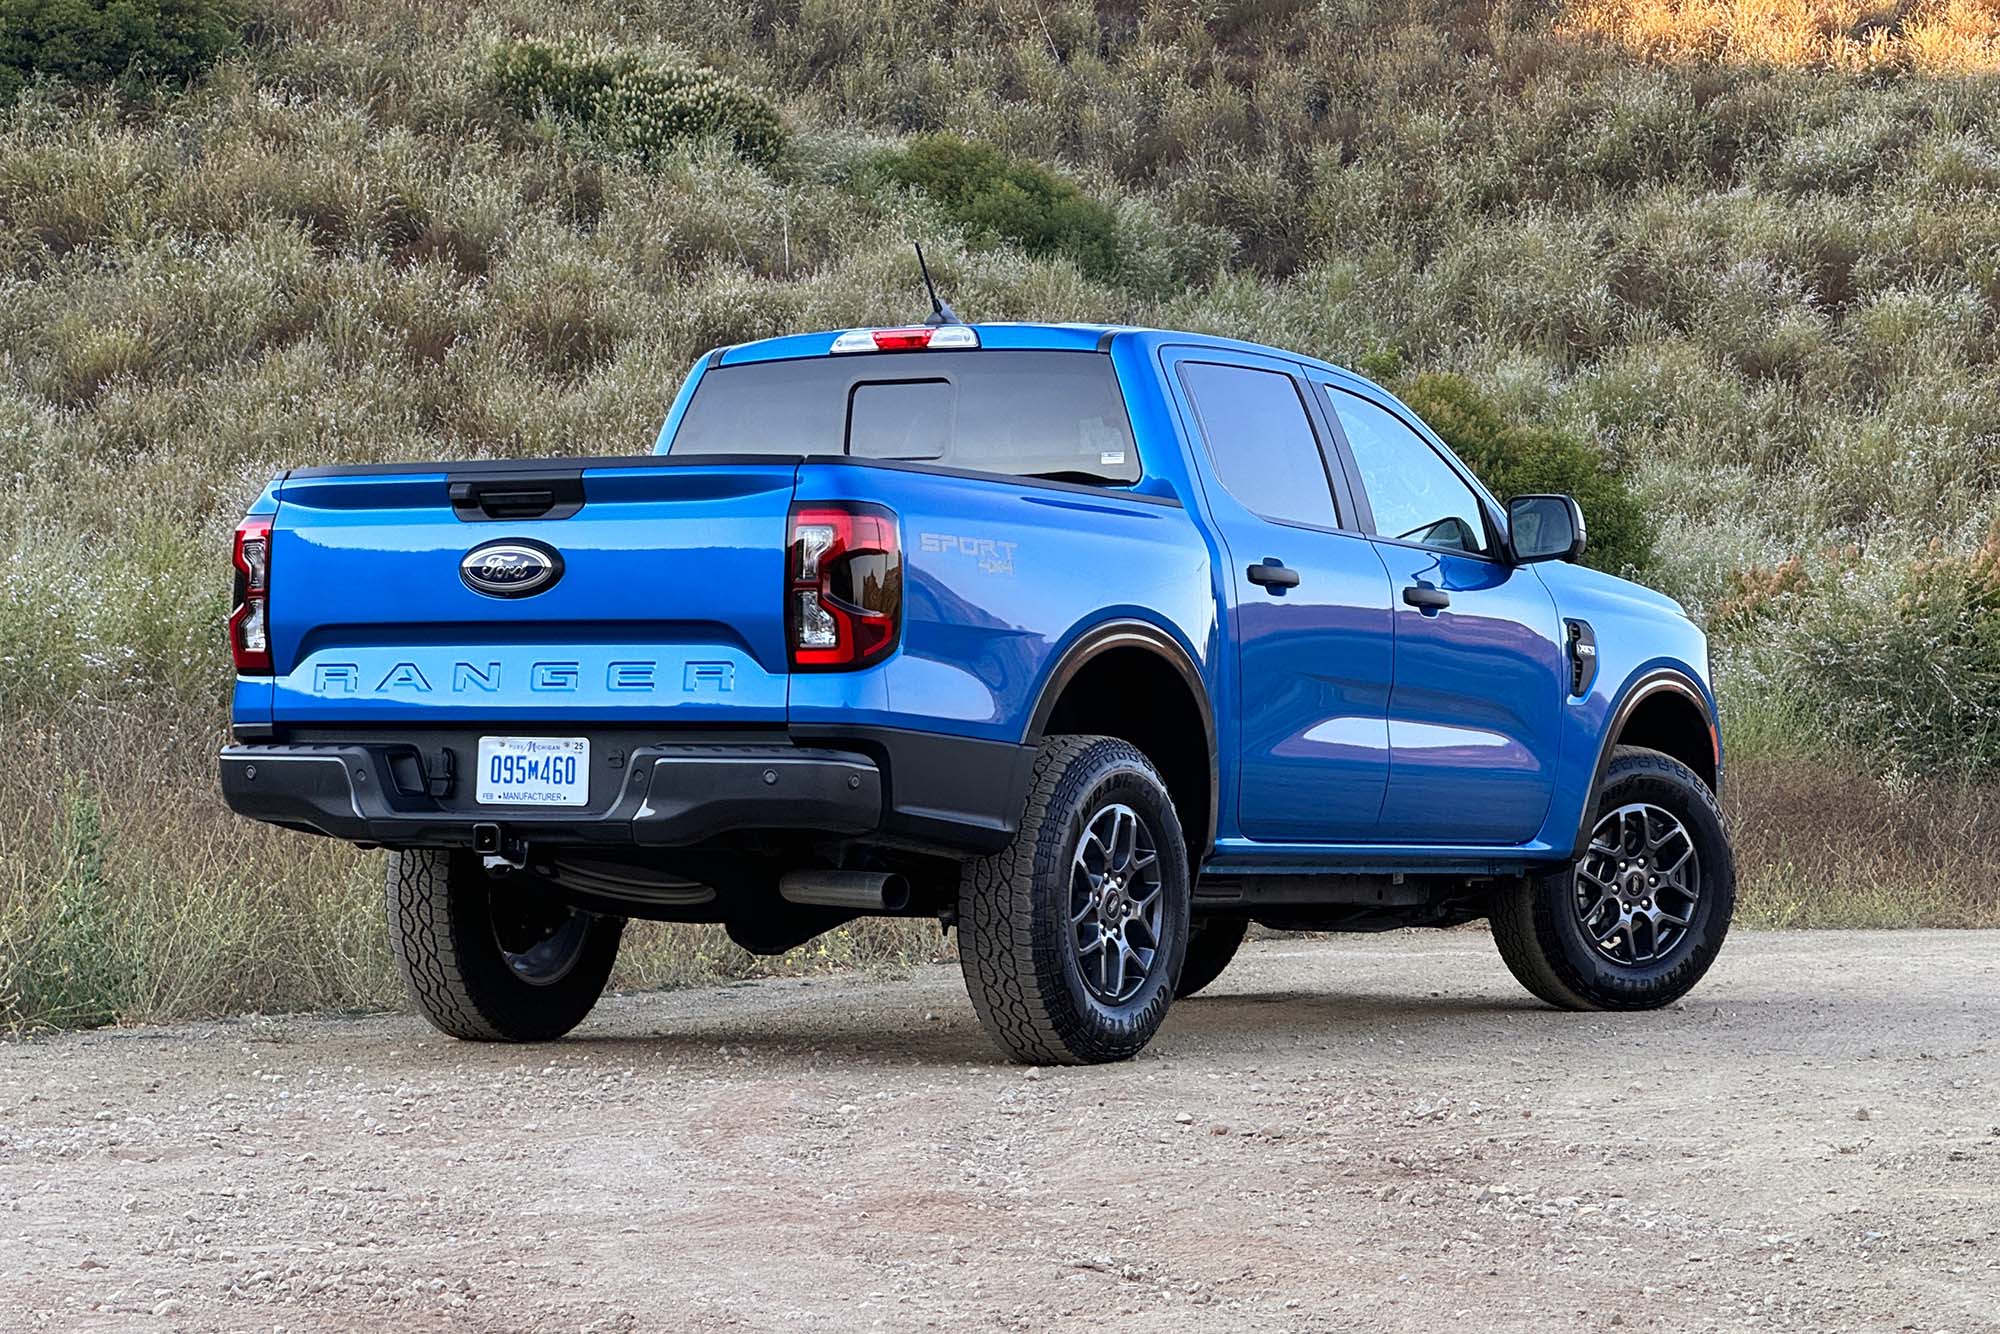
point(1669, 680)
point(1132, 633)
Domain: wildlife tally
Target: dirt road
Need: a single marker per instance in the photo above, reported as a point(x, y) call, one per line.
point(1374, 1133)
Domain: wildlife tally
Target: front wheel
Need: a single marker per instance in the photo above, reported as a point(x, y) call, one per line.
point(491, 960)
point(1071, 939)
point(1636, 921)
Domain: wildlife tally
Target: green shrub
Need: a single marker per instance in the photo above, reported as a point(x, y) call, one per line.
point(69, 969)
point(1163, 256)
point(101, 41)
point(634, 107)
point(644, 112)
point(562, 78)
point(1908, 661)
point(1516, 459)
point(1000, 198)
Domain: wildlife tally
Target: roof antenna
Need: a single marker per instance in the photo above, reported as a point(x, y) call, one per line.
point(941, 311)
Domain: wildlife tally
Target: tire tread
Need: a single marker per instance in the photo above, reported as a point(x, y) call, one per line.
point(435, 930)
point(1525, 927)
point(1011, 956)
point(426, 949)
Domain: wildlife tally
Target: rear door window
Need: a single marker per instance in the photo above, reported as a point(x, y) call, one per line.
point(1059, 415)
point(1261, 441)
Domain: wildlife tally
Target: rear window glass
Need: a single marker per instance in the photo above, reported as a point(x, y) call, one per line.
point(1024, 414)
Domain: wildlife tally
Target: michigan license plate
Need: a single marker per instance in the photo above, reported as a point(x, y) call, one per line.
point(534, 770)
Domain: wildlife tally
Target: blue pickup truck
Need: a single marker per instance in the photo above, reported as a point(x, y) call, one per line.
point(1093, 644)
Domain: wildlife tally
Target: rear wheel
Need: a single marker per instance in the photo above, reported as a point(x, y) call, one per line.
point(1071, 939)
point(1636, 921)
point(489, 959)
point(1211, 945)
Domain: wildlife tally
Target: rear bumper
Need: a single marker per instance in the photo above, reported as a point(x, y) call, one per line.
point(909, 788)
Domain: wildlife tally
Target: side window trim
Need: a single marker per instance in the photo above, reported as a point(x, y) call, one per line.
point(1325, 392)
point(1351, 498)
point(1338, 492)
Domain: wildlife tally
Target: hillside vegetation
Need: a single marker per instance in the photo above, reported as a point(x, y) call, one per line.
point(1740, 277)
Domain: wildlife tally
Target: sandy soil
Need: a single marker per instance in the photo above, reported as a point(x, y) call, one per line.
point(1364, 1133)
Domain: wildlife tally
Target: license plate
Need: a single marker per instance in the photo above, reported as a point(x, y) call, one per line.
point(534, 770)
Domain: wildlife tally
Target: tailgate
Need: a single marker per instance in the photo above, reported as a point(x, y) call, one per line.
point(643, 589)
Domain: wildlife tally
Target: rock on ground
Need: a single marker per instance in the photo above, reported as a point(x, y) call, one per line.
point(1376, 1133)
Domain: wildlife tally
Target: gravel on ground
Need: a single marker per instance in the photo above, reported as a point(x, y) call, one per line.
point(1379, 1133)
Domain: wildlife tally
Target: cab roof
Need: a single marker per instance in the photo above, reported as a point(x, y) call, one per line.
point(1025, 337)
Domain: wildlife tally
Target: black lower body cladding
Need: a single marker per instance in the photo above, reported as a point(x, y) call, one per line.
point(647, 787)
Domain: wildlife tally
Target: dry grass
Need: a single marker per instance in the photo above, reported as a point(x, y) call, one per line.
point(1931, 36)
point(131, 893)
point(1766, 285)
point(1824, 843)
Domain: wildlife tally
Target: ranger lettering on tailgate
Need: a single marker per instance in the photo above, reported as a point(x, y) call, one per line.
point(346, 678)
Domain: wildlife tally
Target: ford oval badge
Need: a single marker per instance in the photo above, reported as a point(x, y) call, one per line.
point(513, 568)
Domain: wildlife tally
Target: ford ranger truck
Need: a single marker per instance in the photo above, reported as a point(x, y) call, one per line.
point(1093, 644)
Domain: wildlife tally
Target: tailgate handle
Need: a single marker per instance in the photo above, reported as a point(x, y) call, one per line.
point(483, 500)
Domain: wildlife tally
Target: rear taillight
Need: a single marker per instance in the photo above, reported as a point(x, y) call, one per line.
point(844, 596)
point(250, 622)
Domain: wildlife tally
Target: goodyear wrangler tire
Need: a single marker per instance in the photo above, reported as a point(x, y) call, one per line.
point(492, 961)
point(1636, 921)
point(1071, 939)
point(1212, 943)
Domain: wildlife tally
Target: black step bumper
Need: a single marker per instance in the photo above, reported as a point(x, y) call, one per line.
point(916, 789)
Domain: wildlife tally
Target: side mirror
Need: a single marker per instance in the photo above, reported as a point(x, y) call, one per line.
point(1545, 528)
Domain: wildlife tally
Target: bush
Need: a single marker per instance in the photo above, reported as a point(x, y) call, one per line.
point(1909, 662)
point(635, 108)
point(562, 78)
point(71, 971)
point(1515, 459)
point(100, 41)
point(1759, 593)
point(999, 198)
point(644, 112)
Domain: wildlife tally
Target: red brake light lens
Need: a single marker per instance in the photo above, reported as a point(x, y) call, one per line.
point(844, 591)
point(908, 338)
point(250, 622)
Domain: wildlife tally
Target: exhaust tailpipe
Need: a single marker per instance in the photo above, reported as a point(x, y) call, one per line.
point(863, 891)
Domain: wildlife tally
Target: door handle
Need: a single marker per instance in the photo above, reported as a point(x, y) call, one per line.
point(1430, 601)
point(1272, 574)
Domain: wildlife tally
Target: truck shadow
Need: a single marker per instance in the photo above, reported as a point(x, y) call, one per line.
point(803, 1036)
